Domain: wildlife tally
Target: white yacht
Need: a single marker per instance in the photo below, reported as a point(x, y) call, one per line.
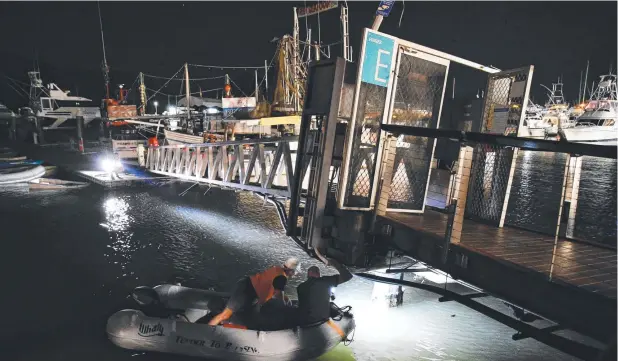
point(54, 106)
point(600, 118)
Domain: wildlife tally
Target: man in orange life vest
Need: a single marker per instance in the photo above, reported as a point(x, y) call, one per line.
point(257, 287)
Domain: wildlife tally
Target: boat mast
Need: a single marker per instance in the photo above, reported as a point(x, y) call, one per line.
point(142, 92)
point(105, 67)
point(586, 80)
point(579, 97)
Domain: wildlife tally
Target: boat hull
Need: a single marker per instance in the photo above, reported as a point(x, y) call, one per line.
point(21, 174)
point(591, 134)
point(132, 329)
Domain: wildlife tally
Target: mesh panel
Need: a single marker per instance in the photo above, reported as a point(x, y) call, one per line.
point(488, 181)
point(364, 147)
point(417, 102)
point(504, 101)
point(536, 191)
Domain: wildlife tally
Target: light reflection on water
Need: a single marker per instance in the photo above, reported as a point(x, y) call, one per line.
point(91, 248)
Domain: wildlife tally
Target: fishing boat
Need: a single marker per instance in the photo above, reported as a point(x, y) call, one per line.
point(599, 123)
point(534, 126)
point(55, 184)
point(55, 108)
point(167, 323)
point(21, 174)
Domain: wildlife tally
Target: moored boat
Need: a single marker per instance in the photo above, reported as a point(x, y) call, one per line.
point(599, 123)
point(177, 333)
point(55, 184)
point(21, 174)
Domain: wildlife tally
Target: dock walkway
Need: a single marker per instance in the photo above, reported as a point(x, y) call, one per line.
point(579, 264)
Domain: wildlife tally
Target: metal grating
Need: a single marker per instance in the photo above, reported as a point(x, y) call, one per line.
point(371, 104)
point(488, 182)
point(417, 102)
point(504, 101)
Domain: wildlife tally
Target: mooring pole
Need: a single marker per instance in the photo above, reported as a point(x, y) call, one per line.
point(13, 130)
point(80, 128)
point(39, 131)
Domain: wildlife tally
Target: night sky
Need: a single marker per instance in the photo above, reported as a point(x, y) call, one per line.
point(159, 37)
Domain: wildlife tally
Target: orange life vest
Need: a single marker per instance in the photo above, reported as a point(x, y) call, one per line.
point(263, 283)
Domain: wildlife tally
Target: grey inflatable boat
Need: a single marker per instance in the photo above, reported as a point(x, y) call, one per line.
point(21, 174)
point(174, 330)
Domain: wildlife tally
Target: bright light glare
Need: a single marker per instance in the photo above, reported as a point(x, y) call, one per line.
point(156, 103)
point(111, 165)
point(212, 110)
point(172, 110)
point(332, 290)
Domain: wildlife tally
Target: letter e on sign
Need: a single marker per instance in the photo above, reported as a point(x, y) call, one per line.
point(378, 59)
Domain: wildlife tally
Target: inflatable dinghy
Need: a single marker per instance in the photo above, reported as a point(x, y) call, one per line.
point(21, 174)
point(174, 331)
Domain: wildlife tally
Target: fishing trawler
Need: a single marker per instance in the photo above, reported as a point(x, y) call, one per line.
point(600, 118)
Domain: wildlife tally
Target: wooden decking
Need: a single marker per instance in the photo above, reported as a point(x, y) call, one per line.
point(582, 265)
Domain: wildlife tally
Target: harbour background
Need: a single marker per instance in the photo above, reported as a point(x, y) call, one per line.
point(72, 259)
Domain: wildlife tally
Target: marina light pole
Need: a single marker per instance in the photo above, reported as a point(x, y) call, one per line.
point(156, 104)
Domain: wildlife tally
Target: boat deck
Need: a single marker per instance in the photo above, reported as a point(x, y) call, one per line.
point(578, 264)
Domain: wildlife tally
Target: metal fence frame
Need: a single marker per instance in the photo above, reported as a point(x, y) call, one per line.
point(433, 59)
point(399, 46)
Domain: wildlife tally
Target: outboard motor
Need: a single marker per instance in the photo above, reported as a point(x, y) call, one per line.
point(151, 304)
point(145, 296)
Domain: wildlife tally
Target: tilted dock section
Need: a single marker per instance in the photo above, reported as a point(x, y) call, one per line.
point(371, 179)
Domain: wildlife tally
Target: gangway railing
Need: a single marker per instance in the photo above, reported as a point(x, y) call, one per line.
point(259, 165)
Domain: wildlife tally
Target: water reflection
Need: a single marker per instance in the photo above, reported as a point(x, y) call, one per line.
point(116, 214)
point(118, 222)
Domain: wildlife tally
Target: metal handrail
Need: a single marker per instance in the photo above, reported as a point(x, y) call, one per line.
point(233, 142)
point(603, 151)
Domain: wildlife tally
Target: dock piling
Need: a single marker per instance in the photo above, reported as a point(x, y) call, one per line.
point(13, 129)
point(80, 129)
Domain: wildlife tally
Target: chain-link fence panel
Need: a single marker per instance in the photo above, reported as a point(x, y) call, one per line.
point(371, 104)
point(488, 182)
point(595, 214)
point(346, 102)
point(417, 102)
point(504, 102)
point(536, 191)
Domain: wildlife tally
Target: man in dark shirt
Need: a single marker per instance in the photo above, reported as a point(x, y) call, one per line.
point(314, 293)
point(277, 314)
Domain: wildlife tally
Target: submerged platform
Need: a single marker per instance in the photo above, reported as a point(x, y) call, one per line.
point(85, 165)
point(578, 292)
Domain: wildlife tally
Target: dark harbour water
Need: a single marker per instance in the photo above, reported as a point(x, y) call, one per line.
point(69, 260)
point(537, 189)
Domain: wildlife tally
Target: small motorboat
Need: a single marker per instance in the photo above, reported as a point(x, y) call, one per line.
point(10, 164)
point(172, 328)
point(21, 174)
point(55, 184)
point(10, 158)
